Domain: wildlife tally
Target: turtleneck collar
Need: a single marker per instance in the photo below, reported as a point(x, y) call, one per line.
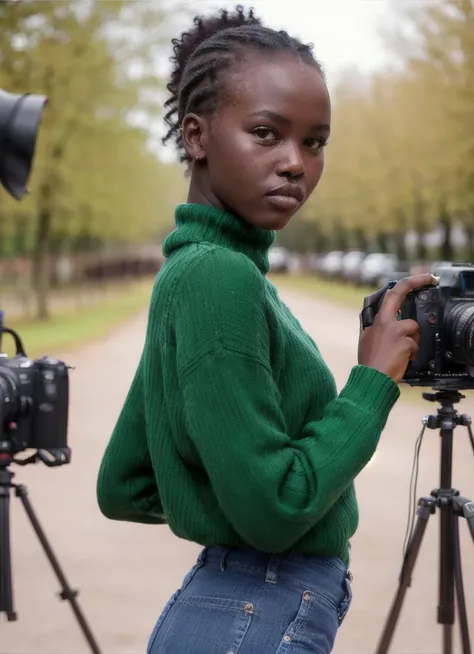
point(197, 223)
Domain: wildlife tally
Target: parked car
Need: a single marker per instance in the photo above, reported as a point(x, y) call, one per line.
point(378, 267)
point(351, 264)
point(278, 259)
point(331, 265)
point(436, 265)
point(403, 270)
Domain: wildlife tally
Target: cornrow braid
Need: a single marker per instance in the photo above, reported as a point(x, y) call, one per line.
point(203, 53)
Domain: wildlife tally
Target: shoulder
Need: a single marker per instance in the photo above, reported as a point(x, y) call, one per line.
point(205, 276)
point(216, 271)
point(221, 293)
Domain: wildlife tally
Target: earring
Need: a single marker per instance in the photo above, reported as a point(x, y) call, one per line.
point(197, 157)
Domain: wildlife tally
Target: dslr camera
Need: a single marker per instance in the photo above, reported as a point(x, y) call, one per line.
point(445, 313)
point(34, 395)
point(34, 399)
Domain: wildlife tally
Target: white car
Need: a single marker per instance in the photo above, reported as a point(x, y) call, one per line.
point(377, 266)
point(278, 259)
point(351, 264)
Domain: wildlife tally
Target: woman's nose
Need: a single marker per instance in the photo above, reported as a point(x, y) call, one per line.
point(291, 162)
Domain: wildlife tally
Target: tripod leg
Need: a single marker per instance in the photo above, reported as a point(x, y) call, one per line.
point(446, 576)
point(459, 584)
point(67, 592)
point(469, 431)
point(427, 506)
point(6, 590)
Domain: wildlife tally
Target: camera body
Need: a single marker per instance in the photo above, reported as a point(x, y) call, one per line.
point(445, 314)
point(34, 407)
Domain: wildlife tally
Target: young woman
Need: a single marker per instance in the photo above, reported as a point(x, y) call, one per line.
point(233, 433)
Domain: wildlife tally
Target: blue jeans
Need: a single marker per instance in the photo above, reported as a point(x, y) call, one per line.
point(236, 601)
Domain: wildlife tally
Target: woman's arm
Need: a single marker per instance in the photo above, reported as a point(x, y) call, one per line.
point(272, 489)
point(126, 485)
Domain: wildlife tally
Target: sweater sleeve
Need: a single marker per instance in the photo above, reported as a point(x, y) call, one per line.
point(126, 485)
point(271, 488)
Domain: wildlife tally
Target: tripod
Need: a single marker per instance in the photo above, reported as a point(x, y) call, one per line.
point(6, 592)
point(452, 506)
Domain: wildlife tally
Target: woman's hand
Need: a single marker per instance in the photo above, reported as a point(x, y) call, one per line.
point(389, 344)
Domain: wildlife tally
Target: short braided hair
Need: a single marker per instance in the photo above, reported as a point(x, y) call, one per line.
point(213, 45)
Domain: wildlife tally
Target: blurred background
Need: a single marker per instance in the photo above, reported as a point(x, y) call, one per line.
point(78, 257)
point(397, 195)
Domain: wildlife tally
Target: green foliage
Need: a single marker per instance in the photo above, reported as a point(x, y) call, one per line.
point(96, 175)
point(401, 154)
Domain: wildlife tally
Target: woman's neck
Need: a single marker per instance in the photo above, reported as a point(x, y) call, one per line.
point(200, 192)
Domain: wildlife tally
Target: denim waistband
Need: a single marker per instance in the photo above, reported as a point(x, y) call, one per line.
point(274, 566)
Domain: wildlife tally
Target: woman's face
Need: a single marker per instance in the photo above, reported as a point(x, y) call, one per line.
point(262, 152)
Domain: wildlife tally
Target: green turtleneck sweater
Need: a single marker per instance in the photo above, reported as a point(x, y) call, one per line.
point(232, 432)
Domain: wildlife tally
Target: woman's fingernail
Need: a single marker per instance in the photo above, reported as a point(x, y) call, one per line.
point(435, 279)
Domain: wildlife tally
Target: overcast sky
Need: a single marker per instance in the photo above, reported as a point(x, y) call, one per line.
point(344, 32)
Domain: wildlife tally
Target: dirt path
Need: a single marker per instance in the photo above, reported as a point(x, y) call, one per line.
point(126, 572)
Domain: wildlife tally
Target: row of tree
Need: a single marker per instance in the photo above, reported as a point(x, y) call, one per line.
point(97, 179)
point(401, 154)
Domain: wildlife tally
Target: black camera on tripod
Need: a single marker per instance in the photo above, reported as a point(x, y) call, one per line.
point(445, 313)
point(34, 398)
point(445, 362)
point(34, 394)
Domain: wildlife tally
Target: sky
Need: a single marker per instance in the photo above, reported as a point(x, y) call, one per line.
point(344, 32)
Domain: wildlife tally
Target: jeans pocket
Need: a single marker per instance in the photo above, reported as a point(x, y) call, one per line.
point(206, 625)
point(296, 624)
point(345, 605)
point(314, 627)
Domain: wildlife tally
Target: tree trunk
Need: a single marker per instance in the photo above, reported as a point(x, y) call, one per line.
point(382, 242)
point(446, 250)
point(340, 236)
point(400, 246)
point(41, 280)
point(420, 245)
point(360, 239)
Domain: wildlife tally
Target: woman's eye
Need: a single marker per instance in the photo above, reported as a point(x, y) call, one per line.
point(265, 133)
point(315, 143)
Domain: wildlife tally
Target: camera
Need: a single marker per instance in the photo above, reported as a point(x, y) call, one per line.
point(445, 314)
point(34, 398)
point(34, 395)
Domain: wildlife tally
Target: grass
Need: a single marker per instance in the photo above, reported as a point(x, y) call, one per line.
point(346, 294)
point(72, 328)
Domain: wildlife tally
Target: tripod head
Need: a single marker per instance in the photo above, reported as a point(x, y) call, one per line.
point(447, 417)
point(444, 397)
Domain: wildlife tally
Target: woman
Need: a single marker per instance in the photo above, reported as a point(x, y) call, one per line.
point(233, 433)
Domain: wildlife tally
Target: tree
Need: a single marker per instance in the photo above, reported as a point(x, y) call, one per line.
point(95, 171)
point(401, 154)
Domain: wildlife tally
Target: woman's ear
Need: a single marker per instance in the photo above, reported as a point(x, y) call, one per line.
point(194, 133)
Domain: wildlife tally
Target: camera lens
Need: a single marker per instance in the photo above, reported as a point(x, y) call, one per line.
point(8, 394)
point(459, 327)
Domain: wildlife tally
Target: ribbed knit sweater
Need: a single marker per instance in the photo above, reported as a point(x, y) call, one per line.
point(233, 432)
